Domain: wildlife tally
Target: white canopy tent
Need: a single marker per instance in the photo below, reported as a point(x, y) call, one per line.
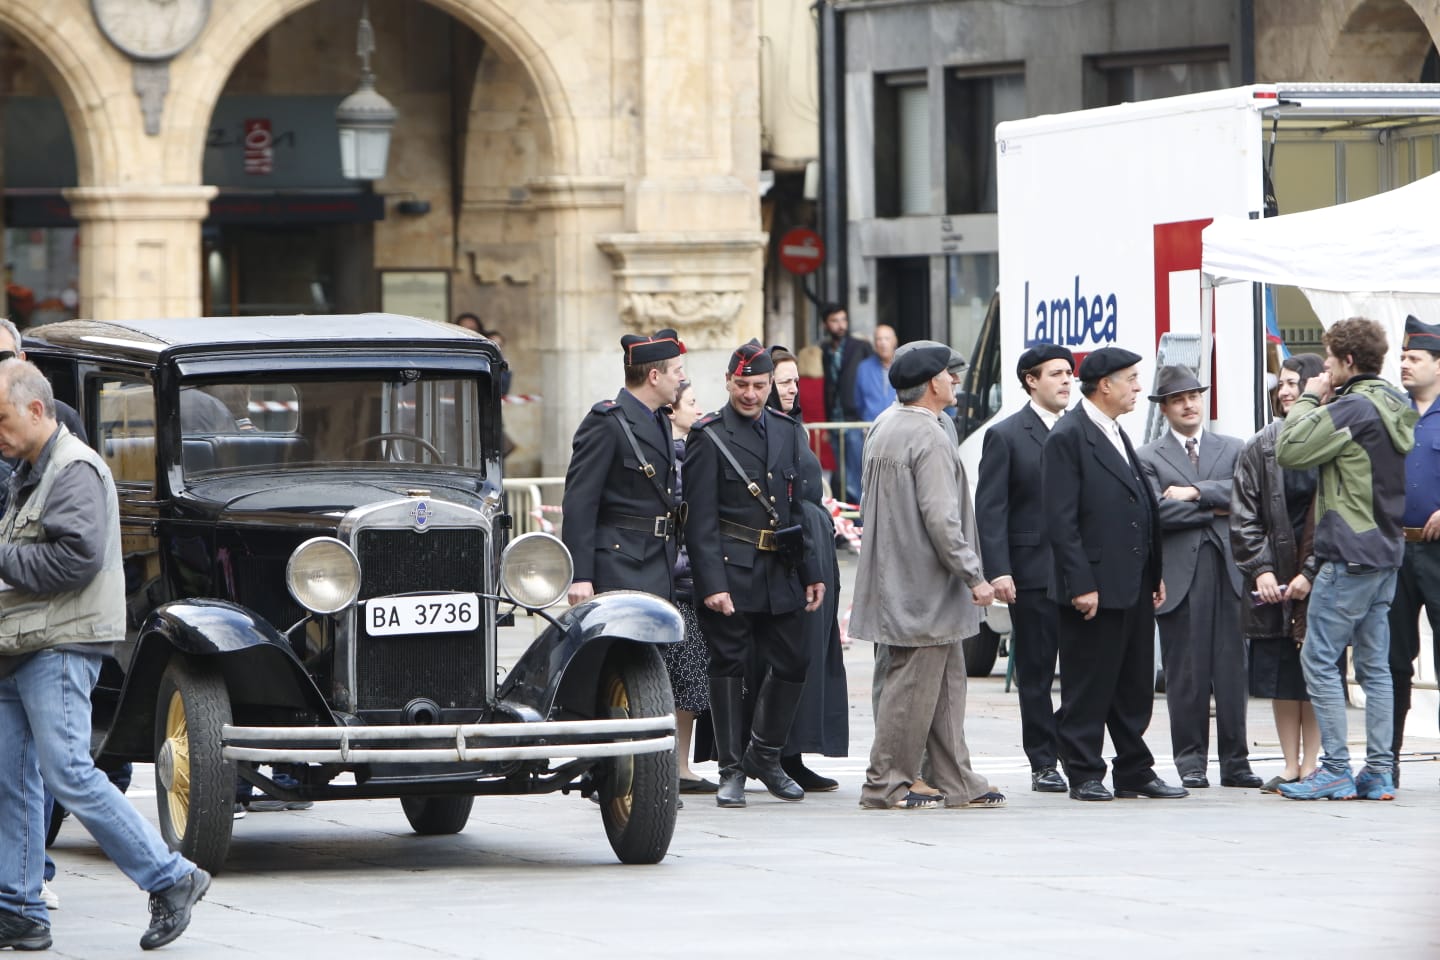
point(1377, 258)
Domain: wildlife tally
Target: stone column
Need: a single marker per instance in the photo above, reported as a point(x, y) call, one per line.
point(141, 250)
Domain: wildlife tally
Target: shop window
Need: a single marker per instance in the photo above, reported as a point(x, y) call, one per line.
point(976, 99)
point(42, 274)
point(903, 185)
point(1128, 77)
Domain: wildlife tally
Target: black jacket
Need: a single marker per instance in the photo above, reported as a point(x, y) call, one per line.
point(1102, 519)
point(758, 581)
point(1262, 536)
point(605, 482)
point(1008, 498)
point(840, 392)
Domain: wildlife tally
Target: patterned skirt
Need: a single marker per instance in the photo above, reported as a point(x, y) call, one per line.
point(688, 664)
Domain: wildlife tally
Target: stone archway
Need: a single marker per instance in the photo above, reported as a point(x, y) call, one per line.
point(1343, 41)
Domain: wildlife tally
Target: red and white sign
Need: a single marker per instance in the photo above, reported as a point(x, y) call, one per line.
point(801, 251)
point(259, 147)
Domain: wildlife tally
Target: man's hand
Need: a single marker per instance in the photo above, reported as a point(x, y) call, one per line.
point(580, 591)
point(1159, 596)
point(1268, 587)
point(1319, 385)
point(1087, 603)
point(1004, 588)
point(1180, 493)
point(983, 594)
point(814, 596)
point(1431, 530)
point(721, 603)
point(1299, 588)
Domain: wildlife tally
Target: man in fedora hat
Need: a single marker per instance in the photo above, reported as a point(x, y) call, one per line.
point(1190, 471)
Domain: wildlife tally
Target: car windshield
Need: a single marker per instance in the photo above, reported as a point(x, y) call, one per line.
point(409, 421)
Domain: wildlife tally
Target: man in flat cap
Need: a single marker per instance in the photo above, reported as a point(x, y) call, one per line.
point(1104, 529)
point(754, 569)
point(619, 503)
point(1418, 586)
point(918, 591)
point(1017, 552)
point(1191, 470)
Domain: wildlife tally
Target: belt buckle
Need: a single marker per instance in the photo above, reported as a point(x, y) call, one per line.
point(766, 540)
point(662, 527)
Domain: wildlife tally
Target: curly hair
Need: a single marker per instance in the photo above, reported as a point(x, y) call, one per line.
point(1360, 339)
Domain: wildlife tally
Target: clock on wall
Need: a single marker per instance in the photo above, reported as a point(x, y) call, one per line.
point(151, 29)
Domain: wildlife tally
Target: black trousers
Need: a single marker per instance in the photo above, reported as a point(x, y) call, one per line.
point(1416, 586)
point(1033, 645)
point(1107, 669)
point(1204, 652)
point(740, 642)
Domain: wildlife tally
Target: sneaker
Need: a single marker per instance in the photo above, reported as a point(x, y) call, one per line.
point(51, 899)
point(240, 811)
point(1323, 784)
point(1374, 786)
point(22, 933)
point(170, 909)
point(273, 805)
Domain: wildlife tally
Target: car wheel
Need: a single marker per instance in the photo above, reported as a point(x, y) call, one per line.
point(981, 651)
point(194, 784)
point(434, 816)
point(57, 817)
point(638, 794)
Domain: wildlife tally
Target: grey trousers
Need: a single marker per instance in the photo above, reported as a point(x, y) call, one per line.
point(921, 706)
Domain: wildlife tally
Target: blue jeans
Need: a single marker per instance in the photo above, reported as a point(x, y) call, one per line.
point(1350, 608)
point(849, 470)
point(45, 719)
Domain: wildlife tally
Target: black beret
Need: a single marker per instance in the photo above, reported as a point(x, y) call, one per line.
point(1105, 361)
point(1040, 353)
point(662, 346)
point(917, 362)
point(750, 360)
point(1421, 336)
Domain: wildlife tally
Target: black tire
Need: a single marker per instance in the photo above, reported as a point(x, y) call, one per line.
point(981, 651)
point(57, 817)
point(194, 784)
point(639, 795)
point(435, 816)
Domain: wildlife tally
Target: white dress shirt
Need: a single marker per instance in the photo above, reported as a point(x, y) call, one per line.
point(1046, 417)
point(1107, 425)
point(1181, 439)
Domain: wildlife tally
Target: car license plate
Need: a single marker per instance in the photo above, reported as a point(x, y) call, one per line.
point(430, 613)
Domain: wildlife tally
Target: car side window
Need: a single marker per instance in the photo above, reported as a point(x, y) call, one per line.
point(125, 428)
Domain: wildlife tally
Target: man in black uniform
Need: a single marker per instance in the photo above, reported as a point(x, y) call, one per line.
point(1016, 551)
point(1104, 531)
point(754, 568)
point(619, 502)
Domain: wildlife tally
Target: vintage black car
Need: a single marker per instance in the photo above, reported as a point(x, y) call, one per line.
point(317, 555)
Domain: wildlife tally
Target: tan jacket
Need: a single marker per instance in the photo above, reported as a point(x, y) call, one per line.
point(919, 556)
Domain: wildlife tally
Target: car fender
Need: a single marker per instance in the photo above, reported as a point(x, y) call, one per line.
point(561, 668)
point(264, 678)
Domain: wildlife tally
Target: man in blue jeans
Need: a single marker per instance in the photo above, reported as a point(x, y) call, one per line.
point(1356, 429)
point(62, 610)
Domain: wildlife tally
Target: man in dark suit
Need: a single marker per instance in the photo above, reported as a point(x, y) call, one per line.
point(1016, 551)
point(619, 503)
point(754, 569)
point(842, 354)
point(1104, 532)
point(1191, 471)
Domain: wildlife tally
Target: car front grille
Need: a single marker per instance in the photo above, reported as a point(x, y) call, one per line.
point(448, 668)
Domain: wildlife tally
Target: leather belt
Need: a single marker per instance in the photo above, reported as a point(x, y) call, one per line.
point(661, 527)
point(1414, 534)
point(760, 539)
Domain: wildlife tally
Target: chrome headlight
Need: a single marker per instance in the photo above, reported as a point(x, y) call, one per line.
point(323, 575)
point(535, 570)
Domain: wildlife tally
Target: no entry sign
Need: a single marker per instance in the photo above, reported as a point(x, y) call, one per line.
point(801, 251)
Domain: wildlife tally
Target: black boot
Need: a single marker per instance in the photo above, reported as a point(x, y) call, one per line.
point(809, 780)
point(728, 715)
point(774, 709)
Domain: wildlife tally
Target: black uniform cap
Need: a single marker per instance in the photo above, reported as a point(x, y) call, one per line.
point(1105, 361)
point(662, 346)
point(750, 360)
point(1421, 336)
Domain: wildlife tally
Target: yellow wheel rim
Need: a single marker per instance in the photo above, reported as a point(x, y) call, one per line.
point(622, 768)
point(177, 745)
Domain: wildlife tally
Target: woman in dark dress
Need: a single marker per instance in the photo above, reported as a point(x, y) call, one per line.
point(1270, 533)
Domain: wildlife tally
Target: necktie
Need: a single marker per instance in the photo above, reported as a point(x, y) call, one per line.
point(1192, 450)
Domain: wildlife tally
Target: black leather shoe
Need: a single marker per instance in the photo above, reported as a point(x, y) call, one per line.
point(1156, 789)
point(1248, 779)
point(1195, 781)
point(731, 792)
point(170, 909)
point(1091, 790)
point(1047, 780)
point(22, 933)
point(809, 780)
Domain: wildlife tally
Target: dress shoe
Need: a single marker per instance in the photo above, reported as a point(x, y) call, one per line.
point(1196, 781)
point(1156, 789)
point(22, 933)
point(1248, 779)
point(1047, 780)
point(170, 909)
point(809, 780)
point(698, 785)
point(1091, 790)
